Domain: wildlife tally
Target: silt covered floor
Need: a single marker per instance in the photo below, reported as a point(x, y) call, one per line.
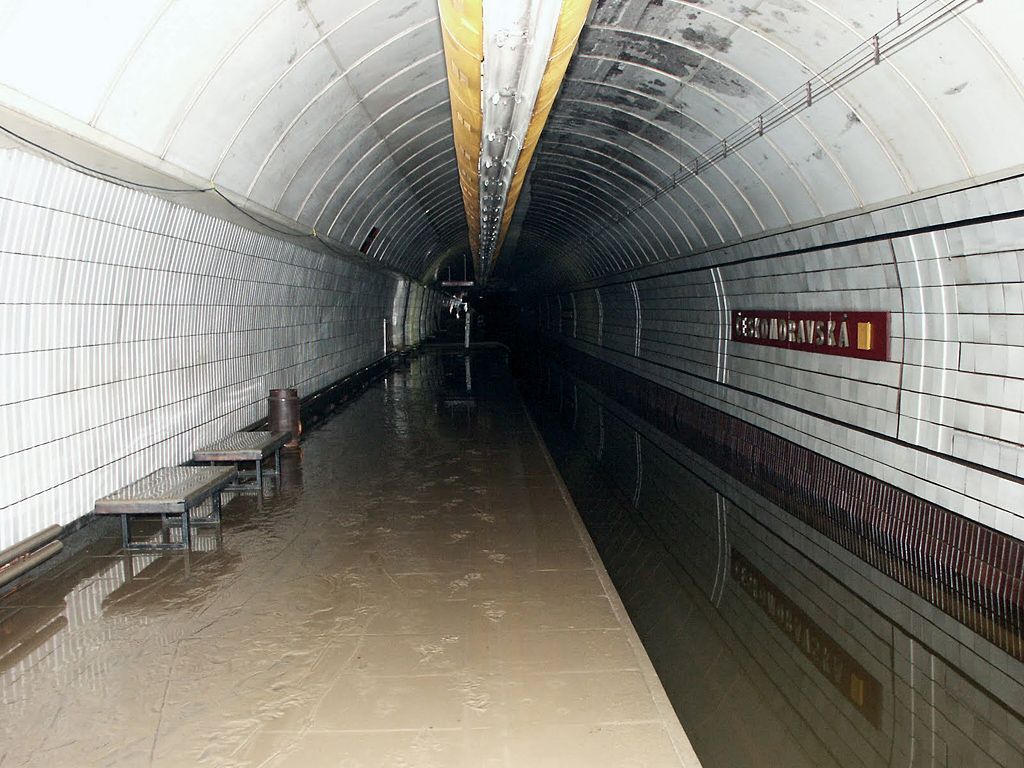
point(417, 591)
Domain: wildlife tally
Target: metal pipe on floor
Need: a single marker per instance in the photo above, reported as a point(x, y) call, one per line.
point(26, 564)
point(35, 541)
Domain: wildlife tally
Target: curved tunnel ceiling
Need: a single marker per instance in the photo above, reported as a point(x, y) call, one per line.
point(336, 115)
point(656, 84)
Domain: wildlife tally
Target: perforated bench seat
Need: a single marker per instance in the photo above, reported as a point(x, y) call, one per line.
point(168, 491)
point(246, 446)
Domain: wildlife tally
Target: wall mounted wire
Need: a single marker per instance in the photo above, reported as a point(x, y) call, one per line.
point(908, 27)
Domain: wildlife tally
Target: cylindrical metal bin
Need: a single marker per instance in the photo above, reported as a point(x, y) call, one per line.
point(283, 414)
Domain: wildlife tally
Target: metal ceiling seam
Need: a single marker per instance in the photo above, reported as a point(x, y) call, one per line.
point(428, 175)
point(570, 164)
point(351, 140)
point(312, 102)
point(347, 227)
point(597, 191)
point(402, 237)
point(229, 51)
point(565, 133)
point(639, 230)
point(402, 219)
point(680, 188)
point(432, 257)
point(426, 172)
point(771, 95)
point(373, 124)
point(343, 72)
point(448, 223)
point(639, 248)
point(394, 233)
point(556, 216)
point(544, 217)
point(404, 170)
point(803, 66)
point(1000, 61)
point(598, 255)
point(452, 247)
point(437, 186)
point(668, 237)
point(733, 245)
point(126, 61)
point(667, 153)
point(554, 199)
point(373, 192)
point(428, 168)
point(302, 163)
point(601, 258)
point(705, 242)
point(884, 145)
point(576, 265)
point(694, 121)
point(407, 233)
point(656, 147)
point(393, 169)
point(913, 88)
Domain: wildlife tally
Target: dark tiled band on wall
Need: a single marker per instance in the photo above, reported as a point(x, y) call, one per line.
point(971, 572)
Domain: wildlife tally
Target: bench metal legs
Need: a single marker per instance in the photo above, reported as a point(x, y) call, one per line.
point(186, 528)
point(126, 535)
point(259, 473)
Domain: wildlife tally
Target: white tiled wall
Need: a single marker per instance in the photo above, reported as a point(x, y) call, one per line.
point(943, 418)
point(967, 724)
point(132, 330)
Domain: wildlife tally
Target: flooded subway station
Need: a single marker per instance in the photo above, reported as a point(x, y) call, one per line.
point(416, 590)
point(776, 644)
point(614, 383)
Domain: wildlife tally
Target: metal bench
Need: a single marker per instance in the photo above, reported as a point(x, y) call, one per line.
point(168, 491)
point(247, 446)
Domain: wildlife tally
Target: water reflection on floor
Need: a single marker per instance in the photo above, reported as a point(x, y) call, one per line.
point(777, 646)
point(415, 592)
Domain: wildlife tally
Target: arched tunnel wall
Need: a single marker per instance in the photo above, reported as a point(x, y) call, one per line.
point(939, 419)
point(864, 182)
point(138, 329)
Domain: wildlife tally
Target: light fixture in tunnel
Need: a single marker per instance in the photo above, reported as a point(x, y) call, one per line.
point(517, 42)
point(506, 60)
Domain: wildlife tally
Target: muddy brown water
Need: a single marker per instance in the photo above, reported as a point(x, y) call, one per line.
point(415, 592)
point(778, 647)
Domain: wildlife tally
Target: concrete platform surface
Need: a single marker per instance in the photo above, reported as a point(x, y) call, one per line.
point(418, 591)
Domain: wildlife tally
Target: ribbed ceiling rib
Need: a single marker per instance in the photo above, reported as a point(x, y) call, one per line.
point(336, 115)
point(657, 83)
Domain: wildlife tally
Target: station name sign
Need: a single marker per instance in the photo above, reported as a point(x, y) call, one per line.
point(864, 335)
